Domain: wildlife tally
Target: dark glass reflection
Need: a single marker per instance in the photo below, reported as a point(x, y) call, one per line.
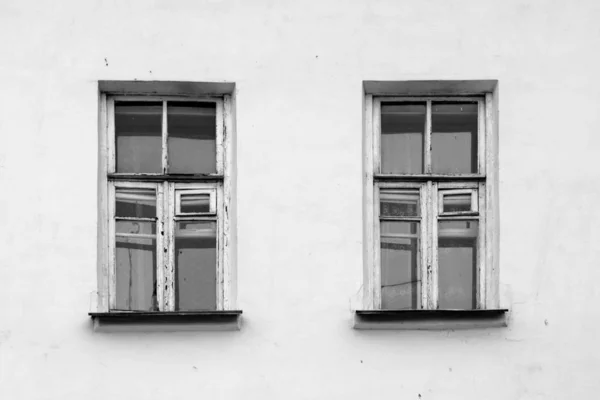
point(196, 265)
point(454, 138)
point(192, 137)
point(138, 135)
point(400, 265)
point(457, 264)
point(135, 203)
point(135, 266)
point(402, 127)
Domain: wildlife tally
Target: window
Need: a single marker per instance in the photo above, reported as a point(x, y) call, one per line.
point(430, 201)
point(165, 211)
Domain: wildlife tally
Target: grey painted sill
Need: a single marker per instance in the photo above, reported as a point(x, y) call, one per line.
point(429, 319)
point(228, 320)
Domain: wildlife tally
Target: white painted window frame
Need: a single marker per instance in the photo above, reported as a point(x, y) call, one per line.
point(473, 193)
point(481, 185)
point(218, 186)
point(212, 193)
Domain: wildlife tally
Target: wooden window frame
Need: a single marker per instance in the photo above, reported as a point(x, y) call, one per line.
point(211, 192)
point(218, 185)
point(482, 186)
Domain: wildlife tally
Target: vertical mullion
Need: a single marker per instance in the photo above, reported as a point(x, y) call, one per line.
point(169, 249)
point(368, 207)
point(424, 241)
point(481, 270)
point(481, 134)
point(165, 153)
point(433, 246)
point(160, 275)
point(219, 138)
point(376, 276)
point(427, 146)
point(112, 265)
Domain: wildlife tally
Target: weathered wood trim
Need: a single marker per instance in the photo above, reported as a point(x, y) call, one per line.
point(424, 245)
point(219, 185)
point(425, 177)
point(170, 302)
point(229, 273)
point(167, 178)
point(102, 212)
point(112, 264)
point(155, 99)
point(492, 202)
point(220, 250)
point(376, 270)
point(368, 205)
point(160, 245)
point(482, 186)
point(482, 278)
point(212, 192)
point(473, 192)
point(433, 239)
point(412, 99)
point(430, 87)
point(458, 185)
point(185, 89)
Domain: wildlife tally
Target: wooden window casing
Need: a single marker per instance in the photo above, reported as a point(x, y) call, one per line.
point(481, 185)
point(168, 188)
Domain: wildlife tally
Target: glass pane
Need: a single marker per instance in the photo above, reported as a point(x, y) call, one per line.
point(400, 260)
point(454, 138)
point(397, 203)
point(457, 264)
point(402, 127)
point(138, 131)
point(195, 203)
point(457, 202)
point(192, 137)
point(196, 265)
point(136, 266)
point(135, 203)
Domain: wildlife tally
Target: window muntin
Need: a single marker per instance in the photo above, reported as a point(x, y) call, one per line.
point(438, 263)
point(166, 247)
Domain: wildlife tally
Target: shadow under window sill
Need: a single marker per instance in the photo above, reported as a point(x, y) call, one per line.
point(429, 319)
point(125, 321)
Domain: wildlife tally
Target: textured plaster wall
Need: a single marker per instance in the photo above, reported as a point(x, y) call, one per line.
point(299, 67)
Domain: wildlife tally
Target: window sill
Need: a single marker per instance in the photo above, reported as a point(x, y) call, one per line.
point(429, 319)
point(229, 320)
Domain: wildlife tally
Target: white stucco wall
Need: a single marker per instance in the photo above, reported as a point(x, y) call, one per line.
point(299, 67)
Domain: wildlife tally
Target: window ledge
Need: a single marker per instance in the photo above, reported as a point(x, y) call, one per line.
point(227, 320)
point(429, 319)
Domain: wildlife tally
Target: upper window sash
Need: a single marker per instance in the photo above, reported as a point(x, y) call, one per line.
point(165, 111)
point(428, 127)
